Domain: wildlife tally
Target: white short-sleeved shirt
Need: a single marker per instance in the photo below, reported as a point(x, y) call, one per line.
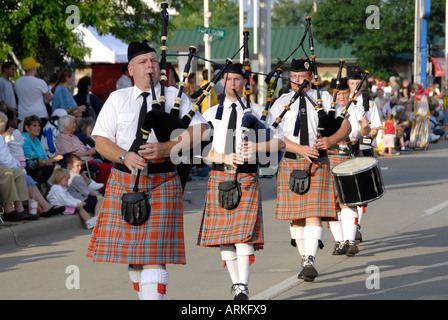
point(356, 113)
point(30, 91)
point(220, 126)
point(289, 119)
point(373, 115)
point(118, 118)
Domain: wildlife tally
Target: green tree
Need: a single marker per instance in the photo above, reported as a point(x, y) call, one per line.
point(287, 13)
point(43, 28)
point(225, 13)
point(378, 50)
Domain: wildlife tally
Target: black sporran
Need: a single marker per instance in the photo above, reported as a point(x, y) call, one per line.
point(300, 181)
point(135, 208)
point(229, 193)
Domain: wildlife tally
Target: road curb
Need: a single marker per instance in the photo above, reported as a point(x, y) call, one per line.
point(26, 233)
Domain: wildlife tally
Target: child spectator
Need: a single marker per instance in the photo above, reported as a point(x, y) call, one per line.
point(59, 195)
point(389, 135)
point(78, 188)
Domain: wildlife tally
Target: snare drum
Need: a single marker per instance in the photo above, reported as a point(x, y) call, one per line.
point(358, 181)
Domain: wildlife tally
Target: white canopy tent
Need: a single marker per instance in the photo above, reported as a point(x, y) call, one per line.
point(104, 48)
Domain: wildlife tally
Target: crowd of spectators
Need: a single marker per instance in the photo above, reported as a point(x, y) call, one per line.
point(44, 130)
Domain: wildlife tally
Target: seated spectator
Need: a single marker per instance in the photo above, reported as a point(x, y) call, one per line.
point(62, 98)
point(13, 192)
point(85, 97)
point(77, 113)
point(434, 125)
point(78, 188)
point(13, 137)
point(59, 195)
point(84, 131)
point(44, 208)
point(39, 166)
point(67, 142)
point(13, 189)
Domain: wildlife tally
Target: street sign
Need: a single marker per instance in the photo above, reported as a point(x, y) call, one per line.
point(220, 33)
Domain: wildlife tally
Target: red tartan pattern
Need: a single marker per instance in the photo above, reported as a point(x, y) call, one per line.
point(336, 159)
point(241, 225)
point(319, 201)
point(160, 240)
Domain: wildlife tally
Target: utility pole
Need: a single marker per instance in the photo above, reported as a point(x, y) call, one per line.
point(208, 45)
point(264, 53)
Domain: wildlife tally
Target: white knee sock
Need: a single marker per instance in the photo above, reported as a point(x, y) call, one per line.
point(228, 255)
point(311, 236)
point(153, 284)
point(134, 276)
point(349, 226)
point(361, 210)
point(336, 229)
point(297, 234)
point(244, 252)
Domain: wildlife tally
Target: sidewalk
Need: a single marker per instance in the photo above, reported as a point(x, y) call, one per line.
point(24, 233)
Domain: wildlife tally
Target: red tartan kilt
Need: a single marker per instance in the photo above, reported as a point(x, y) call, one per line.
point(160, 240)
point(319, 201)
point(336, 159)
point(241, 225)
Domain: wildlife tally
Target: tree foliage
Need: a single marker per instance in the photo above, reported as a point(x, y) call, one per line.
point(224, 13)
point(42, 28)
point(287, 13)
point(344, 21)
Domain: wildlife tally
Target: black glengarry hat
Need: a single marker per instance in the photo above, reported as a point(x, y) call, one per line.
point(138, 48)
point(235, 68)
point(355, 73)
point(343, 84)
point(299, 65)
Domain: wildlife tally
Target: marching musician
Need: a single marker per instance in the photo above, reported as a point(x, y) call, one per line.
point(345, 226)
point(148, 247)
point(354, 77)
point(237, 232)
point(306, 211)
point(365, 142)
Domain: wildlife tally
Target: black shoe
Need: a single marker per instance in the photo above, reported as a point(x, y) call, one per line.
point(13, 216)
point(309, 272)
point(339, 248)
point(240, 291)
point(351, 248)
point(358, 238)
point(29, 216)
point(53, 211)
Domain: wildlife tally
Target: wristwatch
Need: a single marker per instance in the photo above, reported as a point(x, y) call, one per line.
point(121, 159)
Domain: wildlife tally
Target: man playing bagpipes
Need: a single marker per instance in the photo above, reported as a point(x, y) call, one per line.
point(302, 169)
point(236, 227)
point(148, 233)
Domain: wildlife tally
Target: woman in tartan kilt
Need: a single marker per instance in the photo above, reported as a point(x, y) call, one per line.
point(237, 232)
point(306, 211)
point(159, 240)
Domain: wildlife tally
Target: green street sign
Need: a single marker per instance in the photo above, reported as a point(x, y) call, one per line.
point(212, 31)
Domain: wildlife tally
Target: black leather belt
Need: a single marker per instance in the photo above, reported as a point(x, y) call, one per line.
point(291, 155)
point(151, 168)
point(243, 168)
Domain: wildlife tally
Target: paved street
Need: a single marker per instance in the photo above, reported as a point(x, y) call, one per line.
point(404, 254)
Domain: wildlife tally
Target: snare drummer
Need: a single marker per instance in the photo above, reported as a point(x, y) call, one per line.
point(344, 227)
point(367, 142)
point(306, 211)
